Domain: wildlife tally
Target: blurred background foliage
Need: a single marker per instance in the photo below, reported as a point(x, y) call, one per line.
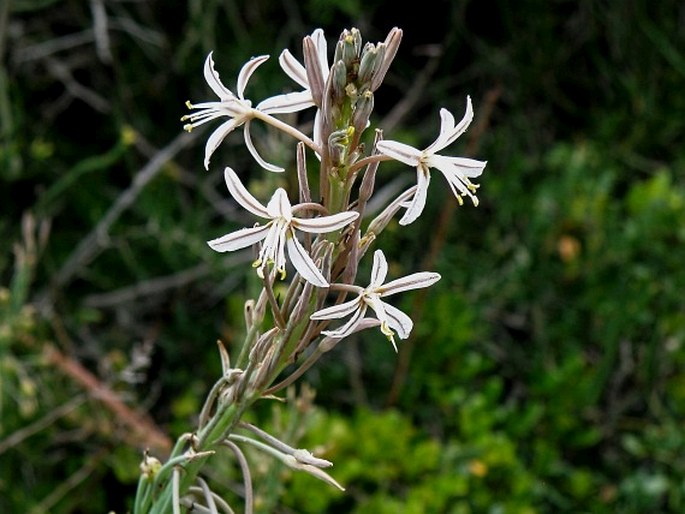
point(545, 371)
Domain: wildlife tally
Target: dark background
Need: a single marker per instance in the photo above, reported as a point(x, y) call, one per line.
point(544, 373)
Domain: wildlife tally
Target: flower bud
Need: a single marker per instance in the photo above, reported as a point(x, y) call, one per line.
point(371, 61)
point(314, 74)
point(391, 44)
point(348, 48)
point(362, 111)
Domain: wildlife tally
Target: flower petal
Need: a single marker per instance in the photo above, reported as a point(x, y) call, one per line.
point(279, 205)
point(246, 72)
point(448, 131)
point(324, 224)
point(338, 311)
point(379, 269)
point(253, 150)
point(242, 195)
point(214, 82)
point(349, 327)
point(303, 263)
point(398, 321)
point(286, 103)
point(400, 151)
point(239, 239)
point(418, 201)
point(293, 68)
point(218, 136)
point(322, 51)
point(414, 281)
point(461, 166)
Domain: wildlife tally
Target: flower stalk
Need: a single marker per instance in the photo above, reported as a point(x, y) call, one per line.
point(314, 247)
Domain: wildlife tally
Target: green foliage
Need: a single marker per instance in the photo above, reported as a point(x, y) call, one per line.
point(546, 367)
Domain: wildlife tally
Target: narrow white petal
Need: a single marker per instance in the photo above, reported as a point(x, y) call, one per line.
point(418, 202)
point(324, 224)
point(448, 131)
point(349, 327)
point(242, 195)
point(379, 270)
point(447, 124)
point(239, 239)
point(217, 137)
point(462, 166)
point(414, 281)
point(399, 151)
point(279, 205)
point(322, 51)
point(303, 263)
point(293, 68)
point(338, 311)
point(286, 103)
point(253, 150)
point(213, 80)
point(398, 321)
point(317, 131)
point(246, 72)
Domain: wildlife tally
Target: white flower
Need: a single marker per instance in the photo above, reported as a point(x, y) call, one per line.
point(392, 319)
point(457, 170)
point(237, 108)
point(279, 233)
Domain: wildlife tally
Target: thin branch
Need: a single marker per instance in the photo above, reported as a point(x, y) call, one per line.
point(96, 240)
point(61, 490)
point(100, 29)
point(142, 427)
point(40, 424)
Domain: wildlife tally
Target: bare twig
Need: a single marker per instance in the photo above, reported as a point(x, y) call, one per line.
point(63, 488)
point(159, 285)
point(101, 31)
point(24, 433)
point(96, 240)
point(142, 427)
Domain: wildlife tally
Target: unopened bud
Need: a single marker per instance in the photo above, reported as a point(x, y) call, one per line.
point(313, 69)
point(362, 111)
point(348, 47)
point(150, 466)
point(391, 43)
point(372, 59)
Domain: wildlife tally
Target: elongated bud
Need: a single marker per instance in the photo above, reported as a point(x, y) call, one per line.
point(314, 75)
point(391, 43)
point(371, 61)
point(302, 178)
point(368, 184)
point(338, 82)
